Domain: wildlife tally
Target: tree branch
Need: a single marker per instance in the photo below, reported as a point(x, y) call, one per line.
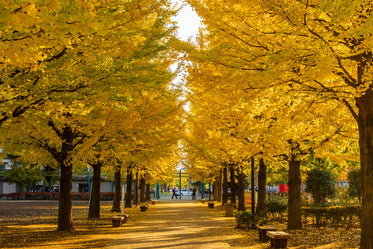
point(58, 132)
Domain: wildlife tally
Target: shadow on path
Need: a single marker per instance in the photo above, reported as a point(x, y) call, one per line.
point(181, 224)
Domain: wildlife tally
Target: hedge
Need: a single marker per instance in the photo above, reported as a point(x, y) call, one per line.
point(51, 196)
point(334, 216)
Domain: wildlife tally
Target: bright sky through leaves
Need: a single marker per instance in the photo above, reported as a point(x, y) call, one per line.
point(188, 21)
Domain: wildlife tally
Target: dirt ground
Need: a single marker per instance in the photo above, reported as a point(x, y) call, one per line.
point(168, 224)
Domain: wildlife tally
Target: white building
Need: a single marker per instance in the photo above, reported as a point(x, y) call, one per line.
point(80, 183)
point(6, 187)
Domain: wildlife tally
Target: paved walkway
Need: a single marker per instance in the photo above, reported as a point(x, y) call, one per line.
point(181, 224)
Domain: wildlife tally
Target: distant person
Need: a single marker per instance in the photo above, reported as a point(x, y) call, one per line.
point(174, 193)
point(194, 190)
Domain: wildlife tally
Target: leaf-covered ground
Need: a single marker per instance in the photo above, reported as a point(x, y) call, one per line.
point(168, 224)
point(33, 224)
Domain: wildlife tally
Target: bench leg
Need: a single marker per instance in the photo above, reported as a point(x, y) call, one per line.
point(279, 243)
point(262, 236)
point(117, 222)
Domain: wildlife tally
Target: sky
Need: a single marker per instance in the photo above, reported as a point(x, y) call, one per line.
point(188, 21)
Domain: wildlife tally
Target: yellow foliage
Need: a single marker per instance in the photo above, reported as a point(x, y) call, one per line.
point(257, 86)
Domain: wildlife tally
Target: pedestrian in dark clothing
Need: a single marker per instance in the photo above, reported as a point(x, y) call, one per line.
point(174, 193)
point(194, 190)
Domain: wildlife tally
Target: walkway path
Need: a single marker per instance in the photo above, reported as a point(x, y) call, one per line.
point(181, 224)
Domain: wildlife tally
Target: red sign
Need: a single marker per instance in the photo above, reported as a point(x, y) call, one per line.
point(283, 187)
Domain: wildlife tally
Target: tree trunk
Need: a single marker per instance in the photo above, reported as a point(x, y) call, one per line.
point(233, 184)
point(262, 182)
point(217, 187)
point(147, 192)
point(136, 194)
point(365, 123)
point(316, 196)
point(241, 189)
point(94, 204)
point(225, 186)
point(142, 189)
point(252, 185)
point(65, 205)
point(163, 188)
point(128, 203)
point(117, 190)
point(49, 180)
point(294, 196)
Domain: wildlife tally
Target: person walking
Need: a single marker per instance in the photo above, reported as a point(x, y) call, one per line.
point(194, 190)
point(174, 193)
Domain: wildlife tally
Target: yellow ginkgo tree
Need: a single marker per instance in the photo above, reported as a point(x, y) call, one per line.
point(322, 47)
point(283, 122)
point(80, 54)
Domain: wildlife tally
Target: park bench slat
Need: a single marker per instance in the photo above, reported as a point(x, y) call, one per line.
point(278, 238)
point(278, 235)
point(263, 232)
point(119, 220)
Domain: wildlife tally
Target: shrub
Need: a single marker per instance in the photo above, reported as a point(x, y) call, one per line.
point(336, 216)
point(275, 208)
point(25, 175)
point(245, 219)
point(321, 184)
point(262, 218)
point(354, 179)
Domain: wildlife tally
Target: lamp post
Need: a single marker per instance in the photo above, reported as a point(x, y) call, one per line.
point(157, 190)
point(89, 179)
point(122, 199)
point(180, 184)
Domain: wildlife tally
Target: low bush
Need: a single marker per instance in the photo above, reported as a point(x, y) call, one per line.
point(275, 208)
point(52, 196)
point(245, 219)
point(336, 216)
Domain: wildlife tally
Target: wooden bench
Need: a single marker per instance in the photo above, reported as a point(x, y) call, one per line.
point(263, 232)
point(126, 216)
point(119, 220)
point(279, 239)
point(229, 209)
point(144, 207)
